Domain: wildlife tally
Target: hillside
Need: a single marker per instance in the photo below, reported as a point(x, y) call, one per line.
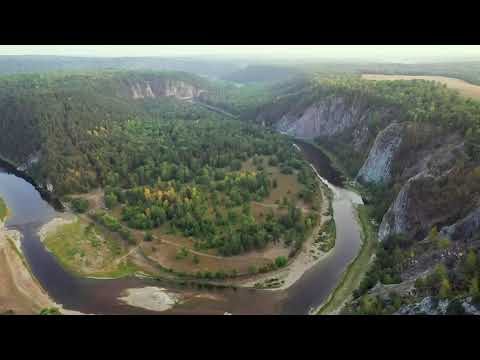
point(414, 147)
point(57, 122)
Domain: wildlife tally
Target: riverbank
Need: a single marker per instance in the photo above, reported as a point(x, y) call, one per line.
point(356, 270)
point(85, 249)
point(53, 225)
point(20, 292)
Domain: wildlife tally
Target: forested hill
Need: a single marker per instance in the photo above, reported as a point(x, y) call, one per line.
point(54, 122)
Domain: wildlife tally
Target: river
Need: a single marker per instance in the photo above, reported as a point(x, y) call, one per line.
point(29, 211)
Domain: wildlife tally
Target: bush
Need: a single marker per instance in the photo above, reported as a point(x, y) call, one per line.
point(80, 205)
point(50, 311)
point(281, 261)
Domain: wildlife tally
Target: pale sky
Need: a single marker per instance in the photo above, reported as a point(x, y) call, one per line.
point(410, 53)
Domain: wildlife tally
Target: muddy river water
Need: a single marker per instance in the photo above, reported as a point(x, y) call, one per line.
point(93, 296)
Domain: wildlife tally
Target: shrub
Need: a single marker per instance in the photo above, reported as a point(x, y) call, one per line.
point(281, 261)
point(148, 236)
point(80, 205)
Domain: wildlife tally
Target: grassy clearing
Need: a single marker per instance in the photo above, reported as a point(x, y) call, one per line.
point(355, 271)
point(3, 210)
point(86, 249)
point(287, 184)
point(464, 88)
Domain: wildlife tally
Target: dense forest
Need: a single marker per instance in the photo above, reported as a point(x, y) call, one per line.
point(57, 122)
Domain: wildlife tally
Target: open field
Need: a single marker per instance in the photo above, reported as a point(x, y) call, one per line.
point(287, 184)
point(353, 275)
point(464, 88)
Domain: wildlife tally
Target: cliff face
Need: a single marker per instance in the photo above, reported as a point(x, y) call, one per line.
point(404, 216)
point(163, 88)
point(378, 166)
point(325, 118)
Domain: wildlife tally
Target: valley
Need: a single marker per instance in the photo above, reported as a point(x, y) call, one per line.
point(178, 194)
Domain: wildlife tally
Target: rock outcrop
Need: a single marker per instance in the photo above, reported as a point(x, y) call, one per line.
point(163, 88)
point(325, 118)
point(465, 229)
point(430, 306)
point(378, 166)
point(399, 217)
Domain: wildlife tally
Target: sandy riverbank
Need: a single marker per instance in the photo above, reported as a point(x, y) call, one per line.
point(54, 224)
point(20, 292)
point(150, 298)
point(306, 258)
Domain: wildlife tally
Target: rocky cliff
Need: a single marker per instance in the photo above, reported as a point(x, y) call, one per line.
point(378, 166)
point(420, 162)
point(160, 87)
point(325, 118)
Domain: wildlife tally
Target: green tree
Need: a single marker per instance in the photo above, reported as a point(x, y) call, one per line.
point(148, 236)
point(445, 289)
point(195, 259)
point(471, 262)
point(80, 205)
point(281, 261)
point(110, 201)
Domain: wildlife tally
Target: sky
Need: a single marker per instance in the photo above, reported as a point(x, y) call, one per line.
point(399, 53)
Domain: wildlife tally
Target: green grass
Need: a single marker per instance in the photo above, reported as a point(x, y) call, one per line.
point(3, 210)
point(76, 246)
point(124, 269)
point(353, 275)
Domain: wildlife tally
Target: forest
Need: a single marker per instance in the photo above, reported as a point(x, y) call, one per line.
point(187, 176)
